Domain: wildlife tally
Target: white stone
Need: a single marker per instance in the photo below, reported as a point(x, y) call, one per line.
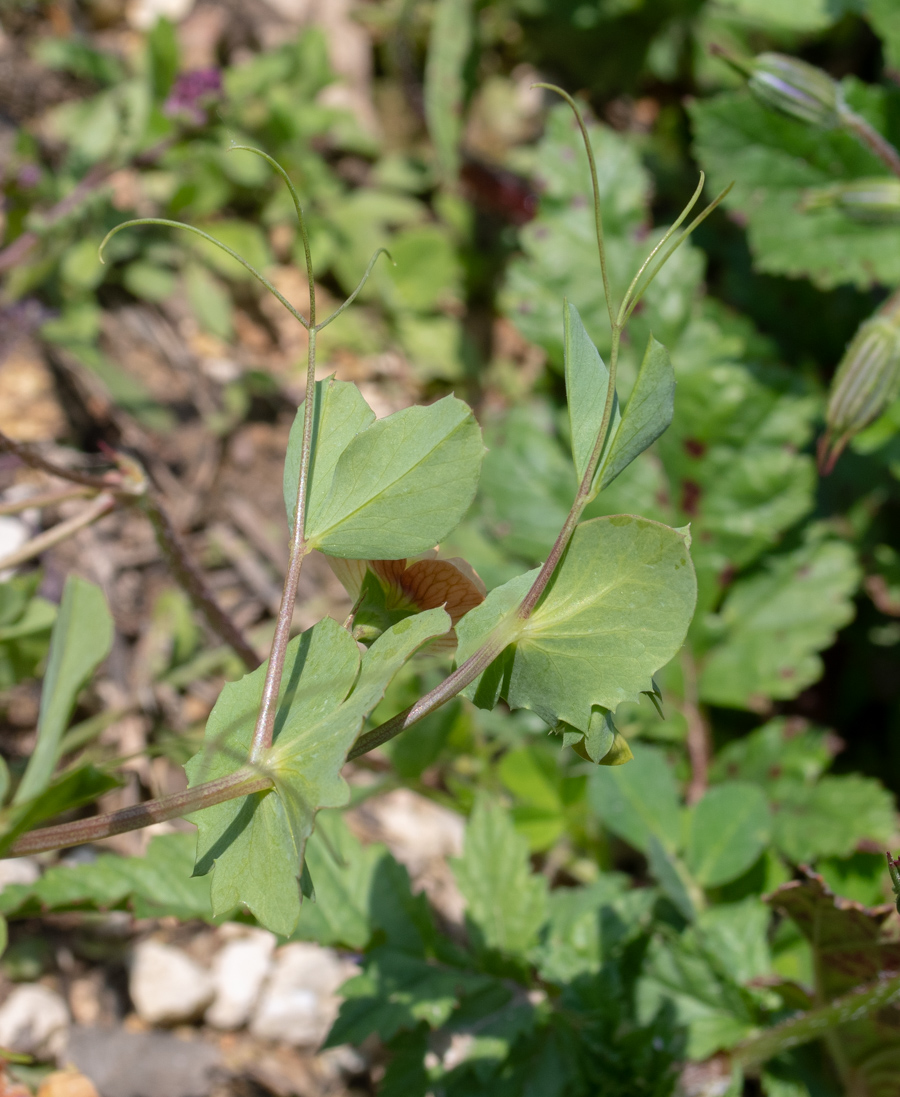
point(422, 836)
point(239, 970)
point(144, 14)
point(299, 1003)
point(34, 1020)
point(13, 535)
point(167, 986)
point(19, 870)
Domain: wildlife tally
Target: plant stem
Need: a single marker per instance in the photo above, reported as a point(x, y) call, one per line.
point(44, 499)
point(446, 691)
point(244, 782)
point(583, 495)
point(265, 721)
point(598, 217)
point(815, 1024)
point(190, 578)
point(103, 504)
point(872, 139)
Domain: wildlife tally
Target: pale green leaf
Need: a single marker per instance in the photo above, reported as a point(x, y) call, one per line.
point(81, 639)
point(587, 386)
point(402, 485)
point(638, 801)
point(256, 843)
point(773, 161)
point(339, 414)
point(617, 609)
point(648, 413)
point(506, 902)
point(729, 828)
point(776, 621)
point(448, 49)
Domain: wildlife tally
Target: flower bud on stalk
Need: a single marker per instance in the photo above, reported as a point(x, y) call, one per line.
point(791, 86)
point(867, 380)
point(875, 201)
point(797, 89)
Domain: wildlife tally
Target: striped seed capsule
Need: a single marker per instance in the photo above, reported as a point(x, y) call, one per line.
point(867, 380)
point(797, 89)
point(875, 201)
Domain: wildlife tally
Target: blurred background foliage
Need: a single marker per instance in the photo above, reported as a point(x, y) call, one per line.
point(412, 124)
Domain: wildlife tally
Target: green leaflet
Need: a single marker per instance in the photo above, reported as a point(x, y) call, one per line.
point(774, 160)
point(507, 903)
point(401, 485)
point(256, 843)
point(640, 800)
point(774, 622)
point(729, 829)
point(587, 386)
point(339, 414)
point(81, 639)
point(648, 413)
point(617, 610)
point(448, 49)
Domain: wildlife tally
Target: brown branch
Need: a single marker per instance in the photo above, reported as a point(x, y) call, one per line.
point(30, 457)
point(243, 783)
point(699, 747)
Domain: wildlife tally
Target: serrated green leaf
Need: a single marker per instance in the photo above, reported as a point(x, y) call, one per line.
point(776, 621)
point(397, 992)
point(81, 639)
point(339, 414)
point(506, 902)
point(587, 386)
point(729, 828)
point(585, 925)
point(255, 844)
point(682, 972)
point(884, 15)
point(773, 161)
point(648, 413)
point(588, 642)
point(402, 485)
point(829, 818)
point(639, 800)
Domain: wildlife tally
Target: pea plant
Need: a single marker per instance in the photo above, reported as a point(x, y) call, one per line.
point(570, 640)
point(600, 987)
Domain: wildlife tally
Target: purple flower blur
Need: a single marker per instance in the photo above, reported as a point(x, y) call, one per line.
point(189, 93)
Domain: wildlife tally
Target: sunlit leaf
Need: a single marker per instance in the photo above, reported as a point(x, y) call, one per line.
point(81, 639)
